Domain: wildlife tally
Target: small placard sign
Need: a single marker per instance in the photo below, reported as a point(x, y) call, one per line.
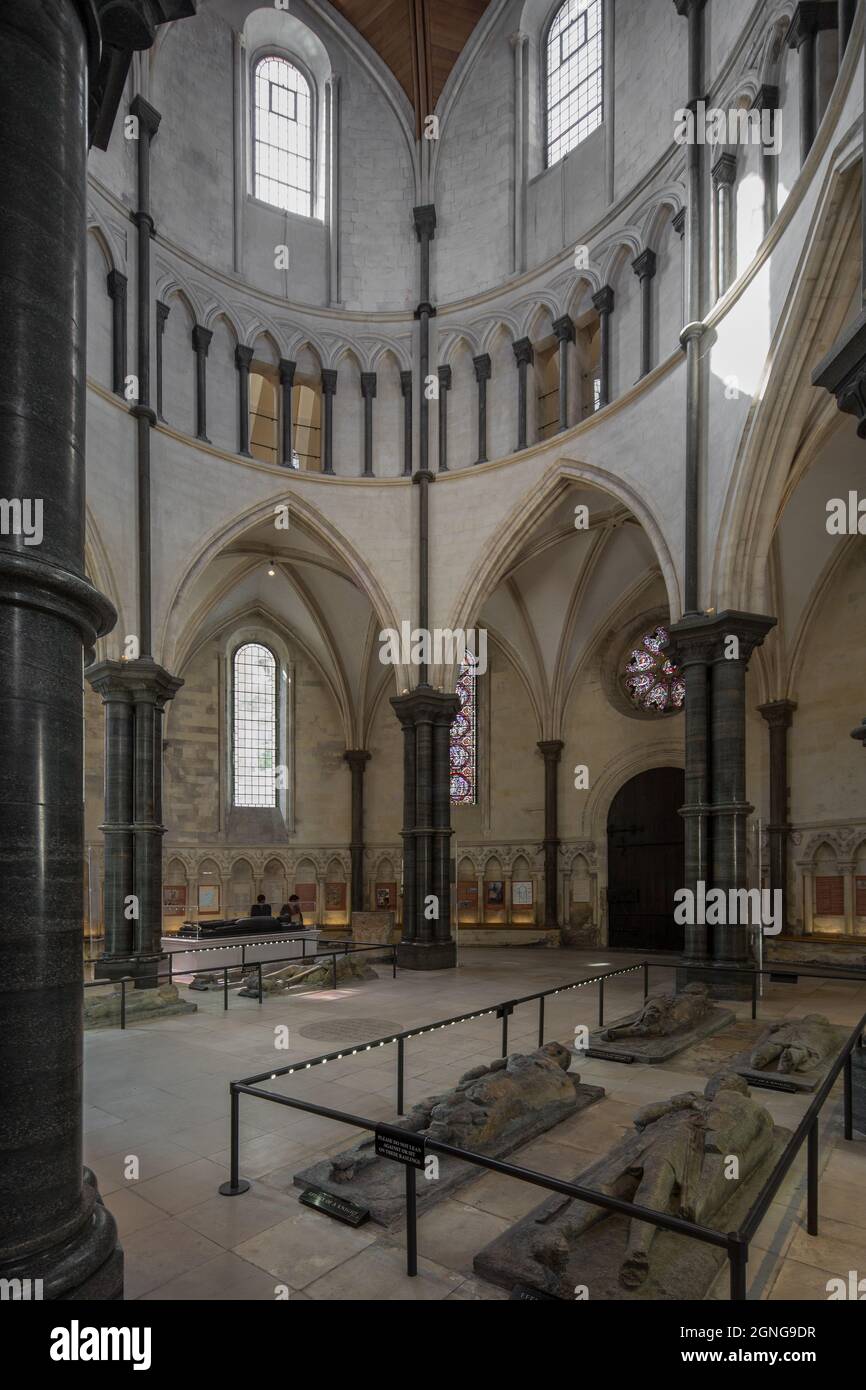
point(603, 1056)
point(338, 1207)
point(779, 977)
point(407, 1149)
point(522, 1293)
point(769, 1083)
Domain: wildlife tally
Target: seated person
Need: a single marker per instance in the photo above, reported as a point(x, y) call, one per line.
point(291, 913)
point(260, 908)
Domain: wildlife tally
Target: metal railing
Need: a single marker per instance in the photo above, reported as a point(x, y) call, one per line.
point(735, 1244)
point(349, 949)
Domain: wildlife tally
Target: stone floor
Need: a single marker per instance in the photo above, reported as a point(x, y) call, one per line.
point(158, 1094)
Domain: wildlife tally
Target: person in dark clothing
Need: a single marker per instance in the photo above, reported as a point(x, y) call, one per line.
point(260, 908)
point(291, 913)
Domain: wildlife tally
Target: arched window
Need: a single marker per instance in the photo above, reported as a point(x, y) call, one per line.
point(282, 136)
point(575, 56)
point(254, 726)
point(463, 750)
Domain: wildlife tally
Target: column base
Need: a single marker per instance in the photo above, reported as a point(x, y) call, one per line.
point(723, 983)
point(89, 1267)
point(427, 955)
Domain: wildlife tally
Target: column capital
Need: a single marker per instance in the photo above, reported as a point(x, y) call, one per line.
point(424, 705)
point(685, 8)
point(563, 329)
point(679, 222)
point(134, 681)
point(329, 382)
point(604, 300)
point(116, 282)
point(148, 117)
point(357, 758)
point(645, 265)
point(779, 714)
point(766, 98)
point(551, 749)
point(702, 637)
point(287, 371)
point(201, 337)
point(243, 356)
point(162, 313)
point(519, 39)
point(445, 378)
point(843, 372)
point(482, 367)
point(425, 221)
point(724, 170)
point(524, 352)
point(809, 17)
point(405, 384)
point(368, 385)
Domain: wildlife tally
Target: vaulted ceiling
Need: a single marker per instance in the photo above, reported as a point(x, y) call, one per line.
point(420, 40)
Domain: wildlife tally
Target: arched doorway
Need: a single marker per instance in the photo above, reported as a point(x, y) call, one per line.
point(645, 858)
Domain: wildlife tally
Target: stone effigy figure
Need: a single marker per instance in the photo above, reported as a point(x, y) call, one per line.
point(664, 1014)
point(485, 1104)
point(798, 1045)
point(676, 1163)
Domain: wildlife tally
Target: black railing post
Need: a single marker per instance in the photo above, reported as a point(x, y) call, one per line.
point(504, 1034)
point(411, 1224)
point(541, 1020)
point(123, 1003)
point(812, 1178)
point(849, 1098)
point(225, 988)
point(400, 1074)
point(601, 1002)
point(261, 986)
point(394, 964)
point(646, 979)
point(334, 968)
point(755, 996)
point(236, 1184)
point(738, 1258)
point(170, 980)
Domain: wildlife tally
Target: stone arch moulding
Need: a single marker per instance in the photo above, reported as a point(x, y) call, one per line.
point(616, 773)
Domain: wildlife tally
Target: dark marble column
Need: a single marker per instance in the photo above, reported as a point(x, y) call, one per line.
point(604, 302)
point(426, 716)
point(134, 694)
point(287, 435)
point(243, 358)
point(551, 751)
point(679, 225)
point(644, 267)
point(692, 647)
point(53, 1226)
point(406, 393)
point(732, 943)
point(329, 390)
point(482, 376)
point(201, 342)
point(563, 330)
point(444, 388)
point(803, 35)
point(767, 99)
point(724, 222)
point(357, 758)
point(847, 11)
point(368, 391)
point(162, 313)
point(524, 357)
point(778, 715)
point(116, 283)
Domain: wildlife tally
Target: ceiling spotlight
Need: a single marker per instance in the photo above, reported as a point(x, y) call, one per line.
point(271, 569)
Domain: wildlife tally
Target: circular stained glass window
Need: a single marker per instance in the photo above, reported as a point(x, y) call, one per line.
point(653, 682)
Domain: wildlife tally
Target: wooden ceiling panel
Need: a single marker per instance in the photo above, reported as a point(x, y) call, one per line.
point(419, 40)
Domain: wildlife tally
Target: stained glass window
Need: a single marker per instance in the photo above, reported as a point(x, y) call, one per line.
point(282, 137)
point(575, 54)
point(652, 680)
point(254, 724)
point(464, 737)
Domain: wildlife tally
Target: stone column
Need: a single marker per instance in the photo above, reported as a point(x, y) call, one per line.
point(803, 35)
point(52, 1225)
point(644, 267)
point(134, 694)
point(778, 715)
point(767, 99)
point(563, 330)
point(520, 44)
point(116, 283)
point(724, 223)
point(406, 393)
point(357, 758)
point(679, 225)
point(692, 647)
point(732, 944)
point(482, 376)
point(604, 302)
point(551, 751)
point(524, 356)
point(243, 358)
point(162, 313)
point(287, 434)
point(444, 388)
point(329, 390)
point(426, 716)
point(201, 342)
point(368, 391)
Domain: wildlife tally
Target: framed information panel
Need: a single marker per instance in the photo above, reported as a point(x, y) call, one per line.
point(335, 897)
point(521, 893)
point(386, 897)
point(860, 895)
point(467, 899)
point(830, 896)
point(306, 892)
point(174, 899)
point(208, 897)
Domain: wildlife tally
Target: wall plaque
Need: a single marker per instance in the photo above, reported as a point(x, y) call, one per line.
point(386, 897)
point(830, 896)
point(860, 895)
point(307, 894)
point(407, 1148)
point(174, 899)
point(521, 893)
